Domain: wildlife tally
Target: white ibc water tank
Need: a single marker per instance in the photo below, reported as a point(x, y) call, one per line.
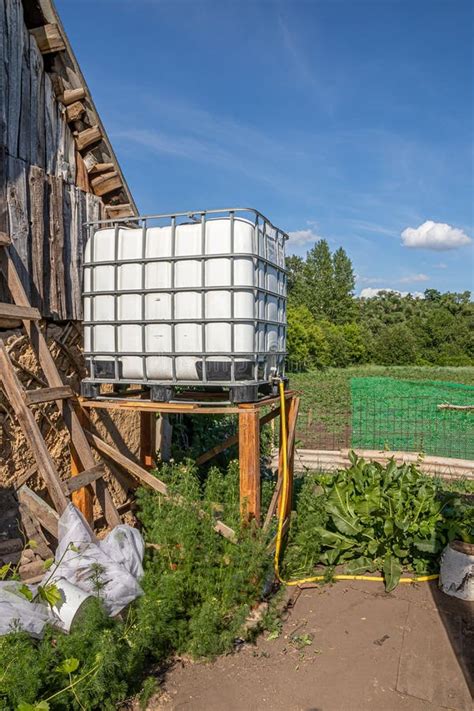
point(198, 300)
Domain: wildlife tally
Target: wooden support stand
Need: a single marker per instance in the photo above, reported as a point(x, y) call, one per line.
point(248, 437)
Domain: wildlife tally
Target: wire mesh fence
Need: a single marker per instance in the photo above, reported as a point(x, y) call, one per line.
point(412, 424)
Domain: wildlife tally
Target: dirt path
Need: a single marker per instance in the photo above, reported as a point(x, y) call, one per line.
point(342, 647)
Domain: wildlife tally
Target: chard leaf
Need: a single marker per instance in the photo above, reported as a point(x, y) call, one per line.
point(392, 570)
point(402, 524)
point(335, 540)
point(353, 458)
point(343, 516)
point(329, 557)
point(357, 566)
point(372, 547)
point(400, 552)
point(427, 545)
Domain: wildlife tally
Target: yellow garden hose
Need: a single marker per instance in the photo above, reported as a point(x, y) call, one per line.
point(281, 517)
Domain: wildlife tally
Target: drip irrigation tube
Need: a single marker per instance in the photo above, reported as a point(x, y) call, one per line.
point(281, 515)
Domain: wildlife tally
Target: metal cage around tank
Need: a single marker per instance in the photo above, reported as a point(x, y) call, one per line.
point(256, 366)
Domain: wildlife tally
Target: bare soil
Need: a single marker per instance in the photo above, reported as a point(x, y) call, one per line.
point(342, 647)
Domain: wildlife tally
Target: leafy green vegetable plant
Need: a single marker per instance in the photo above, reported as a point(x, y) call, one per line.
point(389, 518)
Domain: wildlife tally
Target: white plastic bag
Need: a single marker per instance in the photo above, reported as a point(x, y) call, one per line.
point(109, 569)
point(16, 612)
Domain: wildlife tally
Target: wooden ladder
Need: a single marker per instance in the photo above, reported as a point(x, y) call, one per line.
point(21, 400)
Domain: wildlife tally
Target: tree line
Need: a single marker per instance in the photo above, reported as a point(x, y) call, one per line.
point(329, 326)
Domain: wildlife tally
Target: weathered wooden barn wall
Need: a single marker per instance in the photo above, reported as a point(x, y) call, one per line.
point(41, 206)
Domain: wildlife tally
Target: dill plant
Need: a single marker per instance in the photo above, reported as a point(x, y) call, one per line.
point(210, 582)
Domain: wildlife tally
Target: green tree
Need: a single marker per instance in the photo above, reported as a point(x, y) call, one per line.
point(396, 345)
point(343, 306)
point(346, 343)
point(296, 279)
point(306, 339)
point(319, 280)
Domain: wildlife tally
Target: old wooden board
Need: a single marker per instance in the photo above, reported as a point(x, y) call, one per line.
point(71, 420)
point(186, 408)
point(40, 511)
point(26, 419)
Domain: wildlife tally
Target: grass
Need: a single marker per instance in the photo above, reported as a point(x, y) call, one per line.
point(326, 401)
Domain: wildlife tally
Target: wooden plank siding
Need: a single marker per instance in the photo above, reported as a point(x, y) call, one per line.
point(41, 206)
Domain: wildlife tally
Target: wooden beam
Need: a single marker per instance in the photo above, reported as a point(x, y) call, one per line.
point(146, 478)
point(273, 504)
point(147, 439)
point(14, 312)
point(48, 38)
point(292, 421)
point(75, 111)
point(12, 545)
point(34, 532)
point(233, 439)
point(4, 239)
point(88, 137)
point(53, 378)
point(128, 464)
point(35, 397)
point(100, 168)
point(70, 96)
point(82, 479)
point(105, 183)
point(39, 509)
point(83, 497)
point(185, 408)
point(249, 459)
point(82, 176)
point(118, 211)
point(14, 392)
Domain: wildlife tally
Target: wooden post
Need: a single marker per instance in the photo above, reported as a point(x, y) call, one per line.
point(83, 498)
point(249, 458)
point(147, 439)
point(280, 455)
point(292, 420)
point(164, 434)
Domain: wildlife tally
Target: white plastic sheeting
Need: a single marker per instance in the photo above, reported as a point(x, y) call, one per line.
point(456, 576)
point(109, 568)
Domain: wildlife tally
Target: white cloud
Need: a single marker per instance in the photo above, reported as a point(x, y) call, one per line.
point(301, 237)
point(368, 280)
point(369, 293)
point(411, 278)
point(434, 235)
point(440, 265)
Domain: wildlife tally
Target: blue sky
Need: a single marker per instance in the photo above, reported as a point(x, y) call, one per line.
point(346, 119)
